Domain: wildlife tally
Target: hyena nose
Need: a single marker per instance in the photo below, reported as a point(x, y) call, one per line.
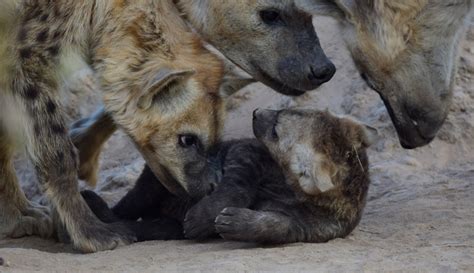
point(426, 125)
point(321, 74)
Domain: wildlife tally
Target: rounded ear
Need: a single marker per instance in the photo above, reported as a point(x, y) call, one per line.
point(234, 79)
point(232, 84)
point(371, 135)
point(339, 9)
point(164, 78)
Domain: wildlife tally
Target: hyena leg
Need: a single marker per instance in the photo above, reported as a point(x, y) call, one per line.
point(89, 135)
point(241, 224)
point(18, 217)
point(55, 161)
point(52, 151)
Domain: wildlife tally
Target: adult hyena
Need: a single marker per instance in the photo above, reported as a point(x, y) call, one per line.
point(154, 73)
point(406, 50)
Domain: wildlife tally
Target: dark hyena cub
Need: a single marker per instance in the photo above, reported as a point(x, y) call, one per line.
point(305, 178)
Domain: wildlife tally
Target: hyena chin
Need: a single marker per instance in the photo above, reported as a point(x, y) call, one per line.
point(159, 84)
point(406, 50)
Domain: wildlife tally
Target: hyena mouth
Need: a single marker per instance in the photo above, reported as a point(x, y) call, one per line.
point(277, 85)
point(408, 133)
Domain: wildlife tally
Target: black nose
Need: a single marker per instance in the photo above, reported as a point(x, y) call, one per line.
point(426, 124)
point(321, 74)
point(254, 114)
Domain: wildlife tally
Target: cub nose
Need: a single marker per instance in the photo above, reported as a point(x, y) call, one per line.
point(321, 74)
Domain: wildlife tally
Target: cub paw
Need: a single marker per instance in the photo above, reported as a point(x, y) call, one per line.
point(236, 224)
point(199, 222)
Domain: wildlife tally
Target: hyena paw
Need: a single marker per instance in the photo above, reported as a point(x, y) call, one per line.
point(33, 220)
point(100, 237)
point(237, 224)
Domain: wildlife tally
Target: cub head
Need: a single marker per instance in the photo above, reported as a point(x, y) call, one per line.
point(273, 41)
point(316, 150)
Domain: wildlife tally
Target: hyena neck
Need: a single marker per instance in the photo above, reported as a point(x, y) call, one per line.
point(196, 13)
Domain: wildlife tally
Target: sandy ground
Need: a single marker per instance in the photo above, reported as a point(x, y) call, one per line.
point(419, 217)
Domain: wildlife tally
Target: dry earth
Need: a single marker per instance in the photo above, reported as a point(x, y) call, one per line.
point(419, 217)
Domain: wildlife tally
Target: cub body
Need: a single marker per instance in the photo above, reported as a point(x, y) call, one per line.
point(305, 178)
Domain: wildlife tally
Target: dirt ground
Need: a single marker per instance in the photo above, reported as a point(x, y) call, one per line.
point(419, 217)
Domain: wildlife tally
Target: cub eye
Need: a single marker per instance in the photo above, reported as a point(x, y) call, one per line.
point(271, 17)
point(188, 141)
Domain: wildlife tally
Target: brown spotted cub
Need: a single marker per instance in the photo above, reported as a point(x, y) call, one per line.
point(304, 179)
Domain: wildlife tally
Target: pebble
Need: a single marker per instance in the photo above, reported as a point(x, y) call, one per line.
point(4, 262)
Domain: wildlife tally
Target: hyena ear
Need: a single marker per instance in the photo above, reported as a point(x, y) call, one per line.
point(371, 135)
point(339, 9)
point(313, 178)
point(164, 79)
point(234, 79)
point(232, 84)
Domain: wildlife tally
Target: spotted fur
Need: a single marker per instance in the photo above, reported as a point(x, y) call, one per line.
point(140, 51)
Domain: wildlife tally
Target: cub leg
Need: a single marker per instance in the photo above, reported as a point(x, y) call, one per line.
point(161, 228)
point(144, 200)
point(238, 188)
point(89, 135)
point(18, 216)
point(247, 225)
point(278, 228)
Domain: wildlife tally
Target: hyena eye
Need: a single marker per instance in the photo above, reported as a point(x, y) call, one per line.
point(187, 141)
point(271, 17)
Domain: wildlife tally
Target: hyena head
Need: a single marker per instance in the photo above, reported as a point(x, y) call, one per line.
point(406, 50)
point(316, 150)
point(163, 90)
point(273, 41)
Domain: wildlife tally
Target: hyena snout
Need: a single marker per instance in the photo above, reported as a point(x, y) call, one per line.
point(426, 123)
point(313, 74)
point(264, 122)
point(416, 126)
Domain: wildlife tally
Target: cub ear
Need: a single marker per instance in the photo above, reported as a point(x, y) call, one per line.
point(313, 178)
point(371, 135)
point(339, 9)
point(164, 79)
